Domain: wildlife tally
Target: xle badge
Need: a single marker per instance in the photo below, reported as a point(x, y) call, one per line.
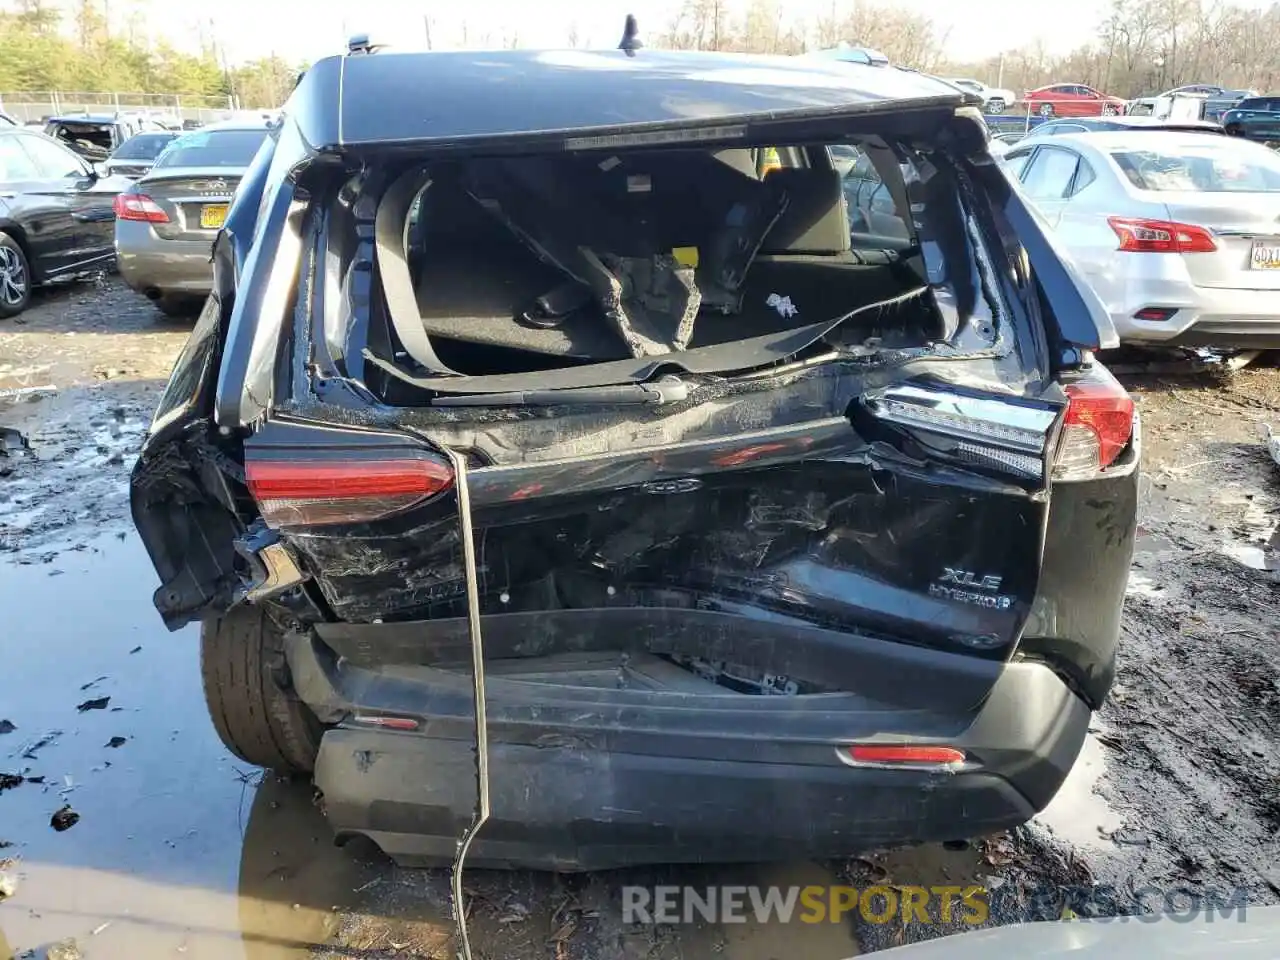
point(966, 586)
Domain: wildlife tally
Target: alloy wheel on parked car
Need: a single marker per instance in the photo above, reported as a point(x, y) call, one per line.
point(1046, 109)
point(995, 105)
point(15, 278)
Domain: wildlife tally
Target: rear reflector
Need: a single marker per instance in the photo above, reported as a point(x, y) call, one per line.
point(1161, 236)
point(905, 755)
point(1155, 314)
point(1097, 428)
point(138, 206)
point(386, 723)
point(293, 493)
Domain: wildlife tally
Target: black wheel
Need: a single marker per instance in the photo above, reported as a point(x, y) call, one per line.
point(1233, 130)
point(1046, 110)
point(995, 105)
point(177, 305)
point(246, 689)
point(15, 277)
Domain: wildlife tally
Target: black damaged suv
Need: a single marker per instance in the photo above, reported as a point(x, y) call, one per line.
point(801, 510)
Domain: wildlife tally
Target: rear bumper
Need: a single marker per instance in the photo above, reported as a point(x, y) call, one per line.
point(585, 780)
point(149, 263)
point(1205, 317)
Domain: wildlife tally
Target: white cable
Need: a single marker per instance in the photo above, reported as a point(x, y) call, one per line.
point(477, 669)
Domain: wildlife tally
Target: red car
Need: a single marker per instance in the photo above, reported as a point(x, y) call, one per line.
point(1072, 100)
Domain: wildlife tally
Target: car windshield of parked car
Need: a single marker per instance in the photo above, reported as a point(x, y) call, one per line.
point(145, 146)
point(212, 148)
point(1205, 170)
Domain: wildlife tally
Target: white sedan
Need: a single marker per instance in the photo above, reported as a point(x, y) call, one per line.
point(994, 100)
point(1178, 234)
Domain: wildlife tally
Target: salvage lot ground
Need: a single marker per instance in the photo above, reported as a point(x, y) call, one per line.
point(182, 850)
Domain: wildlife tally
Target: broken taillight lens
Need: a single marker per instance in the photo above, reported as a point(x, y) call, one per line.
point(138, 206)
point(303, 493)
point(1096, 430)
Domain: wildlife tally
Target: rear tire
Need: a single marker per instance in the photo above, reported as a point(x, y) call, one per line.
point(243, 668)
point(15, 277)
point(995, 105)
point(176, 306)
point(1046, 110)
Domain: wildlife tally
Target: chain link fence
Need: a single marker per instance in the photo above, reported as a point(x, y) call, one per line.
point(28, 106)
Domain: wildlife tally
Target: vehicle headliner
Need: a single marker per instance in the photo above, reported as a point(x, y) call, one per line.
point(417, 97)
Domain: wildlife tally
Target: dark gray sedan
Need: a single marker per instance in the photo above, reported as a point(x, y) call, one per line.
point(166, 222)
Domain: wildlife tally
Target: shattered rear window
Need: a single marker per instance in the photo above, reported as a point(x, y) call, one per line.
point(538, 262)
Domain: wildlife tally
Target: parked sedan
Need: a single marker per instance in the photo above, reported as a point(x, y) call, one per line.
point(994, 100)
point(751, 574)
point(1257, 119)
point(1072, 100)
point(1179, 234)
point(166, 222)
point(135, 156)
point(55, 215)
point(1055, 128)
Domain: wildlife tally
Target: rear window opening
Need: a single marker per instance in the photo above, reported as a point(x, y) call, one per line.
point(83, 137)
point(539, 263)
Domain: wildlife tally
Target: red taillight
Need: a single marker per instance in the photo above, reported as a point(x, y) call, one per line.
point(1097, 428)
point(906, 754)
point(294, 493)
point(138, 206)
point(1161, 236)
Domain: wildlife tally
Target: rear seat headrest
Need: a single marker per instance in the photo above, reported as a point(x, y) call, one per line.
point(815, 221)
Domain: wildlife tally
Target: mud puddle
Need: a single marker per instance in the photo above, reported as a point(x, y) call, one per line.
point(173, 847)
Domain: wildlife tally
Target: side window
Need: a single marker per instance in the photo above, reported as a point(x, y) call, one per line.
point(870, 203)
point(15, 164)
point(1049, 174)
point(1084, 176)
point(52, 160)
point(1016, 163)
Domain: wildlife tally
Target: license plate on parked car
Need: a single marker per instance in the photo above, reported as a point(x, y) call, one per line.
point(213, 216)
point(1266, 255)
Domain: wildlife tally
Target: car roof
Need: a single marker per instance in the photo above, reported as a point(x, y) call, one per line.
point(85, 118)
point(1107, 140)
point(382, 98)
point(1126, 121)
point(238, 124)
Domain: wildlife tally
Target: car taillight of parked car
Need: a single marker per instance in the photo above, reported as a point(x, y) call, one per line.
point(1098, 427)
point(1161, 236)
point(306, 493)
point(138, 206)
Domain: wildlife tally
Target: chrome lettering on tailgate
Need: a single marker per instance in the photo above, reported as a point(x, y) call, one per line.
point(965, 586)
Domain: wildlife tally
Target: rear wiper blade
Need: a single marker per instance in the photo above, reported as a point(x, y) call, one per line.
point(664, 390)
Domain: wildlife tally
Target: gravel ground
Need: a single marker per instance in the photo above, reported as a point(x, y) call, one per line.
point(1179, 785)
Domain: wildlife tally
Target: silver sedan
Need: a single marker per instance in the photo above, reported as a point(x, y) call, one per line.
point(166, 222)
point(1177, 233)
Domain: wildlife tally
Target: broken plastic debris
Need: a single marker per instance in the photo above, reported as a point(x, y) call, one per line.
point(99, 704)
point(783, 305)
point(7, 727)
point(116, 742)
point(8, 885)
point(64, 819)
